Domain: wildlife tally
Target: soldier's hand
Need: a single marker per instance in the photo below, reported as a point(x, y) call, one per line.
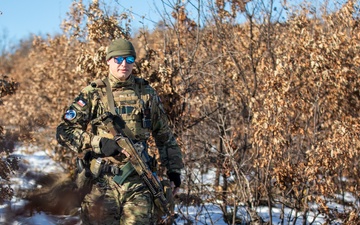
point(175, 181)
point(109, 147)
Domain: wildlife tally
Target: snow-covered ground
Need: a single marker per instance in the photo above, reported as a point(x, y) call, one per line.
point(30, 165)
point(40, 162)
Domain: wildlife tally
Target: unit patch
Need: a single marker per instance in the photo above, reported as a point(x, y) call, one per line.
point(70, 114)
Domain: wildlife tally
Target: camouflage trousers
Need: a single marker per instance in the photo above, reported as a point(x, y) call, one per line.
point(110, 203)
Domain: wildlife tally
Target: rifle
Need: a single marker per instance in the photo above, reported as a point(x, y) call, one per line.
point(149, 178)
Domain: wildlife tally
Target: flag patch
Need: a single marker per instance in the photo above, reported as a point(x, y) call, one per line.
point(81, 103)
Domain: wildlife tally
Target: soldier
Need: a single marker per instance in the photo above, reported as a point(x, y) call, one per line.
point(126, 199)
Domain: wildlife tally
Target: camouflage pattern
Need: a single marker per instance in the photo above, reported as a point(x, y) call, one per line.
point(110, 203)
point(131, 202)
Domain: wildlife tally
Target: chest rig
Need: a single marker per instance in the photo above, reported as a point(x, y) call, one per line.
point(132, 103)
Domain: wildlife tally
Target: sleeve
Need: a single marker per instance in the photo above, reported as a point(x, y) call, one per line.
point(72, 132)
point(169, 150)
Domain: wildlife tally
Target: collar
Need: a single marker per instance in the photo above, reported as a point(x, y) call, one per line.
point(116, 83)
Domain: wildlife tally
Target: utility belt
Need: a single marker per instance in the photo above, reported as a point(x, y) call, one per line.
point(100, 166)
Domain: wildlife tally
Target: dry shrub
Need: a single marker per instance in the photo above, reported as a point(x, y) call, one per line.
point(7, 142)
point(271, 106)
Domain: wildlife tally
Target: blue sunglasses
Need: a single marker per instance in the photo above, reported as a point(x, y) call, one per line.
point(128, 59)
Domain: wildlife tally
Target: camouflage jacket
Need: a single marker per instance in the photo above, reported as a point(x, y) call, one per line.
point(134, 99)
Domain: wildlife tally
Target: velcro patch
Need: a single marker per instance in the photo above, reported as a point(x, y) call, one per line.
point(70, 115)
point(81, 102)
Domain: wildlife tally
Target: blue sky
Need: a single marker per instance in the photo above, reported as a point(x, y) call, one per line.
point(21, 18)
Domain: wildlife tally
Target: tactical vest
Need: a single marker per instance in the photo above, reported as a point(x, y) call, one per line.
point(132, 103)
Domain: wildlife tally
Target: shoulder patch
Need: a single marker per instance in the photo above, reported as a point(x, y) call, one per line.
point(70, 115)
point(81, 101)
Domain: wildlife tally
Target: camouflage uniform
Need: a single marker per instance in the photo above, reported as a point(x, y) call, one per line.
point(129, 202)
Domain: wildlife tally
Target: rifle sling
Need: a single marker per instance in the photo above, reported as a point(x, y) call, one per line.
point(110, 97)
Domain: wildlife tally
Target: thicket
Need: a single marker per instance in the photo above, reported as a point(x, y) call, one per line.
point(7, 163)
point(269, 104)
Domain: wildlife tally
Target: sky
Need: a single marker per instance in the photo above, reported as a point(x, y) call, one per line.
point(21, 18)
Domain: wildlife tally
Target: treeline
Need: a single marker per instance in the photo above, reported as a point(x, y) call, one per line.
point(265, 98)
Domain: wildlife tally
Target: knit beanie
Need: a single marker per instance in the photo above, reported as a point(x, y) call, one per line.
point(120, 47)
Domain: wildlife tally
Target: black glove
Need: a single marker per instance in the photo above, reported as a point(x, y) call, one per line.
point(109, 147)
point(175, 177)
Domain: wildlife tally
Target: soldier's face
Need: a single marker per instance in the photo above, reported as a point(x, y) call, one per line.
point(120, 70)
